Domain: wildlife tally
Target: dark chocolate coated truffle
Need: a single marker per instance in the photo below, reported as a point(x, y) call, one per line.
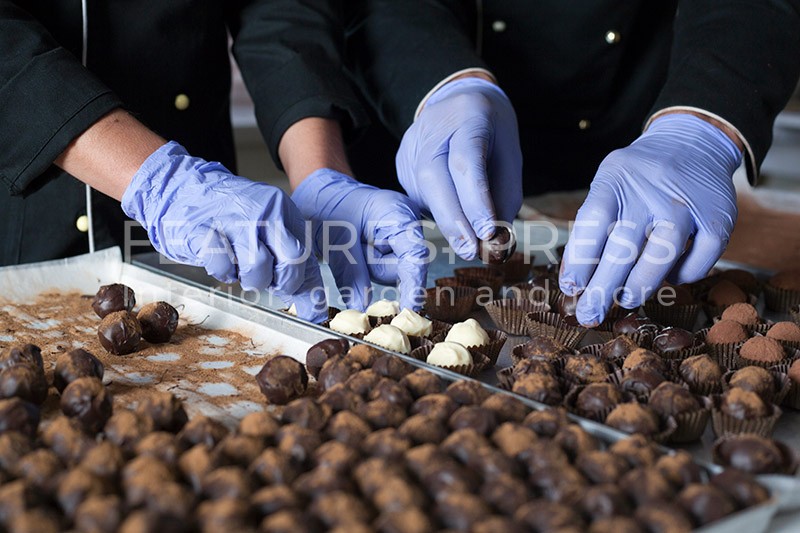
point(23, 381)
point(752, 454)
point(615, 524)
point(105, 460)
point(274, 498)
point(600, 466)
point(261, 425)
point(474, 417)
point(421, 382)
point(125, 428)
point(534, 366)
point(541, 515)
point(618, 348)
point(663, 516)
point(586, 368)
point(392, 367)
point(119, 333)
point(705, 503)
point(387, 442)
point(467, 392)
point(597, 399)
point(633, 418)
point(741, 487)
point(637, 450)
point(234, 515)
point(339, 508)
point(743, 404)
point(298, 442)
point(88, 402)
point(40, 468)
point(282, 379)
point(161, 445)
point(575, 440)
point(159, 320)
point(322, 351)
point(238, 450)
point(755, 379)
point(423, 429)
point(544, 347)
point(513, 439)
point(336, 455)
point(642, 381)
point(643, 357)
point(26, 354)
point(336, 370)
point(506, 408)
point(363, 354)
point(321, 480)
point(391, 391)
point(348, 428)
point(341, 398)
point(404, 520)
point(460, 511)
point(671, 399)
point(633, 323)
point(499, 248)
point(547, 422)
point(101, 514)
point(671, 340)
point(307, 413)
point(701, 373)
point(226, 482)
point(202, 430)
point(645, 485)
point(562, 483)
point(113, 298)
point(67, 439)
point(438, 406)
point(382, 414)
point(77, 485)
point(76, 364)
point(603, 501)
point(679, 469)
point(542, 388)
point(274, 467)
point(165, 410)
point(505, 493)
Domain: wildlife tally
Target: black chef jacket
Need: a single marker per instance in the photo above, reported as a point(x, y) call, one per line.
point(583, 76)
point(167, 63)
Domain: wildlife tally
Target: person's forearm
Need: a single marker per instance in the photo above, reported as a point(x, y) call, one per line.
point(108, 154)
point(311, 144)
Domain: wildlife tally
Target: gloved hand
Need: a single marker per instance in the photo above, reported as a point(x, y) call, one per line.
point(197, 213)
point(375, 234)
point(461, 162)
point(669, 196)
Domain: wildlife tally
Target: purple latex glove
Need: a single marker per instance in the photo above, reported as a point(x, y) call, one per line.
point(198, 213)
point(461, 162)
point(665, 205)
point(375, 233)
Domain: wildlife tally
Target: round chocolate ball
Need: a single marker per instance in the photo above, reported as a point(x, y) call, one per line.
point(26, 354)
point(618, 348)
point(499, 248)
point(597, 399)
point(274, 467)
point(282, 379)
point(104, 460)
point(307, 413)
point(506, 408)
point(202, 430)
point(363, 381)
point(743, 404)
point(633, 418)
point(423, 429)
point(298, 442)
point(633, 323)
point(755, 379)
point(726, 332)
point(347, 428)
point(505, 493)
point(321, 480)
point(159, 320)
point(701, 373)
point(762, 350)
point(663, 516)
point(102, 514)
point(671, 340)
point(726, 293)
point(261, 425)
point(541, 515)
point(437, 406)
point(125, 428)
point(752, 454)
point(542, 388)
point(382, 413)
point(272, 499)
point(705, 503)
point(785, 331)
point(23, 381)
point(421, 382)
point(113, 298)
point(322, 351)
point(341, 398)
point(88, 402)
point(467, 392)
point(336, 370)
point(642, 381)
point(41, 468)
point(164, 410)
point(599, 466)
point(679, 469)
point(575, 440)
point(671, 399)
point(226, 482)
point(547, 422)
point(743, 313)
point(391, 391)
point(645, 485)
point(390, 366)
point(76, 364)
point(637, 450)
point(603, 501)
point(336, 455)
point(740, 487)
point(586, 368)
point(474, 417)
point(119, 333)
point(643, 357)
point(543, 347)
point(387, 442)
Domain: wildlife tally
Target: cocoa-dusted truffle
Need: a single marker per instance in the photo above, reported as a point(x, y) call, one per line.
point(40, 468)
point(382, 413)
point(341, 398)
point(307, 413)
point(195, 463)
point(460, 511)
point(159, 320)
point(392, 492)
point(542, 388)
point(586, 368)
point(404, 520)
point(66, 438)
point(113, 298)
point(26, 354)
point(105, 460)
point(596, 399)
point(642, 380)
point(387, 442)
point(544, 347)
point(23, 381)
point(602, 501)
point(726, 332)
point(226, 482)
point(422, 429)
point(87, 401)
point(742, 278)
point(392, 392)
point(671, 340)
point(392, 367)
point(160, 444)
point(646, 485)
point(336, 455)
point(784, 331)
point(234, 515)
point(340, 508)
point(165, 410)
point(19, 415)
point(348, 428)
point(762, 350)
point(663, 516)
point(562, 483)
point(542, 515)
point(202, 430)
point(261, 425)
point(637, 450)
point(126, 427)
point(322, 351)
point(506, 408)
point(755, 379)
point(679, 469)
point(534, 366)
point(499, 248)
point(740, 486)
point(700, 372)
point(467, 392)
point(547, 422)
point(363, 354)
point(743, 404)
point(633, 323)
point(752, 454)
point(726, 293)
point(575, 440)
point(321, 480)
point(274, 467)
point(298, 442)
point(421, 382)
point(513, 439)
point(363, 381)
point(743, 313)
point(77, 485)
point(438, 406)
point(788, 280)
point(615, 524)
point(14, 447)
point(505, 493)
point(671, 399)
point(282, 379)
point(705, 503)
point(374, 472)
point(474, 417)
point(600, 466)
point(643, 357)
point(618, 348)
point(274, 498)
point(334, 371)
point(38, 520)
point(119, 333)
point(76, 364)
point(102, 514)
point(633, 418)
point(238, 450)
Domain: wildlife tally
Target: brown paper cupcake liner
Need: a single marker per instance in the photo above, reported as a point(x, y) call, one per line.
point(482, 286)
point(794, 313)
point(741, 362)
point(780, 300)
point(492, 278)
point(417, 341)
point(526, 291)
point(679, 316)
point(479, 361)
point(725, 355)
point(792, 398)
point(548, 324)
point(509, 315)
point(782, 385)
point(692, 425)
point(789, 346)
point(790, 458)
point(517, 268)
point(723, 424)
point(643, 338)
point(505, 378)
point(669, 427)
point(439, 327)
point(450, 304)
point(375, 321)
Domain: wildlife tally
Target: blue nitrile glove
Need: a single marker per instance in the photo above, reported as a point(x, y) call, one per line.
point(377, 233)
point(674, 180)
point(461, 163)
point(198, 213)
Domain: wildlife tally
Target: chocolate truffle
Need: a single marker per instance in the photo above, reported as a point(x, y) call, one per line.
point(618, 348)
point(705, 503)
point(392, 392)
point(603, 501)
point(534, 366)
point(404, 520)
point(755, 379)
point(671, 399)
point(39, 520)
point(547, 422)
point(336, 455)
point(319, 481)
point(506, 408)
point(788, 280)
point(505, 493)
point(298, 442)
point(574, 440)
point(752, 454)
point(743, 404)
point(226, 482)
point(87, 401)
point(726, 332)
point(374, 473)
point(643, 357)
point(348, 428)
point(742, 313)
point(465, 444)
point(195, 463)
point(663, 517)
point(341, 398)
point(599, 466)
point(542, 388)
point(101, 514)
point(741, 487)
point(467, 392)
point(387, 442)
point(234, 515)
point(421, 382)
point(474, 417)
point(632, 323)
point(113, 298)
point(76, 364)
point(637, 450)
point(381, 414)
point(392, 493)
point(437, 406)
point(77, 485)
point(641, 381)
point(340, 508)
point(159, 320)
point(23, 381)
point(586, 368)
point(784, 331)
point(282, 379)
point(261, 425)
point(203, 430)
point(363, 381)
point(562, 483)
point(597, 399)
point(726, 293)
point(544, 347)
point(307, 413)
point(762, 350)
point(422, 429)
point(238, 450)
point(701, 373)
point(499, 248)
point(40, 468)
point(672, 340)
point(66, 438)
point(494, 523)
point(460, 511)
point(161, 445)
point(362, 354)
point(165, 410)
point(335, 370)
point(645, 485)
point(615, 524)
point(633, 418)
point(513, 439)
point(274, 498)
point(541, 515)
point(742, 278)
point(14, 447)
point(119, 333)
point(26, 354)
point(273, 467)
point(126, 427)
point(322, 351)
point(392, 367)
point(679, 469)
point(105, 460)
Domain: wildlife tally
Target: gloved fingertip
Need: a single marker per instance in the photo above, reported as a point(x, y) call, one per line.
point(588, 319)
point(568, 285)
point(485, 230)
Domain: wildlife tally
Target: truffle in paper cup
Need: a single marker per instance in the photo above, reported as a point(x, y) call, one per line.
point(505, 378)
point(794, 313)
point(725, 354)
point(768, 352)
point(450, 304)
point(479, 361)
point(724, 424)
point(780, 300)
point(510, 315)
point(492, 350)
point(781, 385)
point(599, 415)
point(553, 325)
point(677, 315)
point(786, 464)
point(527, 291)
point(691, 425)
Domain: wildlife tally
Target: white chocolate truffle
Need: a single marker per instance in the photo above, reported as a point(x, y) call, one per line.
point(468, 333)
point(350, 322)
point(412, 323)
point(292, 310)
point(389, 337)
point(383, 308)
point(449, 354)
